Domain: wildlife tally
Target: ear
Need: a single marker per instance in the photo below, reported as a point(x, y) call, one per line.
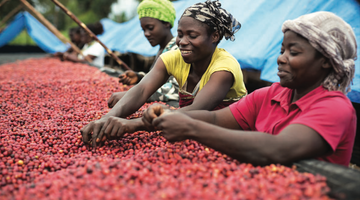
point(326, 63)
point(168, 25)
point(215, 37)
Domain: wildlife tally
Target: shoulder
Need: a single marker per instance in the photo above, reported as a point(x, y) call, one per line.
point(171, 55)
point(222, 55)
point(332, 101)
point(224, 61)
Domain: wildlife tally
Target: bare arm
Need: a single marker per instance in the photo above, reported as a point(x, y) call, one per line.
point(131, 101)
point(137, 95)
point(213, 92)
point(74, 57)
point(295, 142)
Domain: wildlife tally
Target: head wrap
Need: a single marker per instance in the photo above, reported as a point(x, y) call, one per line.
point(211, 13)
point(159, 9)
point(333, 38)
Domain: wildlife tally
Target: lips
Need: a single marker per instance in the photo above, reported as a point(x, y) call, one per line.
point(282, 73)
point(185, 52)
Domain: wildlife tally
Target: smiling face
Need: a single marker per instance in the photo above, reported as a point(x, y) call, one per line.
point(194, 40)
point(155, 31)
point(301, 66)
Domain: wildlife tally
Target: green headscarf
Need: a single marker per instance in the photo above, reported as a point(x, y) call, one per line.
point(159, 9)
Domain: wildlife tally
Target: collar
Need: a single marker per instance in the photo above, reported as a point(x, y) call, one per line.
point(284, 98)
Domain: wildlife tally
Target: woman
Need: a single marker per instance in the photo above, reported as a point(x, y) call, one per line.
point(157, 18)
point(75, 38)
point(306, 115)
point(91, 49)
point(210, 76)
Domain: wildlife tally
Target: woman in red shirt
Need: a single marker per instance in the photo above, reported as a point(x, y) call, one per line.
point(306, 115)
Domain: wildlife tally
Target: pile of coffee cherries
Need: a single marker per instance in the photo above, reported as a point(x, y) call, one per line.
point(44, 104)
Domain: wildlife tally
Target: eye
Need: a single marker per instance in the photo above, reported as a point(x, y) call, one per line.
point(294, 53)
point(282, 51)
point(193, 36)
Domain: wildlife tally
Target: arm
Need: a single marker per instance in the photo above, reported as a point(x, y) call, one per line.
point(209, 97)
point(74, 57)
point(137, 95)
point(213, 92)
point(293, 143)
point(129, 103)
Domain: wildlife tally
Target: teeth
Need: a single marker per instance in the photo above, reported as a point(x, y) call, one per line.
point(185, 52)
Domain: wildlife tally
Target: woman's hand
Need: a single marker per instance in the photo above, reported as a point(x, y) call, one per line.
point(175, 126)
point(109, 128)
point(95, 128)
point(153, 112)
point(114, 98)
point(129, 77)
point(116, 127)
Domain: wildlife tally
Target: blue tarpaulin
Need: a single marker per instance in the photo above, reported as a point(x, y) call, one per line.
point(258, 42)
point(46, 40)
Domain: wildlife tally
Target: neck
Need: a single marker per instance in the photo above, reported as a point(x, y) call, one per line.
point(166, 40)
point(200, 67)
point(300, 92)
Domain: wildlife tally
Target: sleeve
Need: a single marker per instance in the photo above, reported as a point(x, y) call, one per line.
point(330, 117)
point(95, 50)
point(227, 63)
point(170, 60)
point(245, 110)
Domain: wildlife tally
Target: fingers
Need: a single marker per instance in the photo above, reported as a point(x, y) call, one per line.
point(109, 127)
point(85, 132)
point(96, 131)
point(122, 77)
point(110, 101)
point(101, 135)
point(157, 122)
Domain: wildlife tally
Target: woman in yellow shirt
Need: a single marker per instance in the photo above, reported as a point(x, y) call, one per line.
point(209, 77)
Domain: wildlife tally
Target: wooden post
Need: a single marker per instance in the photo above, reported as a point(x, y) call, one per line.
point(10, 14)
point(49, 26)
point(73, 17)
point(3, 2)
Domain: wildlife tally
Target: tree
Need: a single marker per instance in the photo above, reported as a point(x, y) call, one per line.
point(9, 5)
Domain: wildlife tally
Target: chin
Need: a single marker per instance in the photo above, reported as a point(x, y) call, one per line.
point(187, 61)
point(284, 84)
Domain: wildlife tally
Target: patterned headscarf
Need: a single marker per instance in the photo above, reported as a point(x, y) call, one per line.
point(211, 13)
point(159, 9)
point(335, 39)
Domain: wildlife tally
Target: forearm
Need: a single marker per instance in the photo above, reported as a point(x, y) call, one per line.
point(202, 115)
point(129, 103)
point(253, 147)
point(139, 125)
point(72, 57)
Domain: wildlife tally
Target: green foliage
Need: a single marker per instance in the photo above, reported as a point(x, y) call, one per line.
point(22, 39)
point(120, 18)
point(8, 6)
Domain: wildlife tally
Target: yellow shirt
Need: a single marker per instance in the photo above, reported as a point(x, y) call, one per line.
point(220, 61)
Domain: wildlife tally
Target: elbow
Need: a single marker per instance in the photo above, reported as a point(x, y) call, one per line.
point(279, 156)
point(267, 156)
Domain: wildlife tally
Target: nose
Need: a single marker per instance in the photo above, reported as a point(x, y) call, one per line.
point(147, 33)
point(183, 41)
point(281, 59)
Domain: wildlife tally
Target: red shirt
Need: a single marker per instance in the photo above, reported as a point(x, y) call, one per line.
point(330, 114)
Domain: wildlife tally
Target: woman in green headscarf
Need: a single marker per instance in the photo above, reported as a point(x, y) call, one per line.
point(157, 18)
point(210, 77)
